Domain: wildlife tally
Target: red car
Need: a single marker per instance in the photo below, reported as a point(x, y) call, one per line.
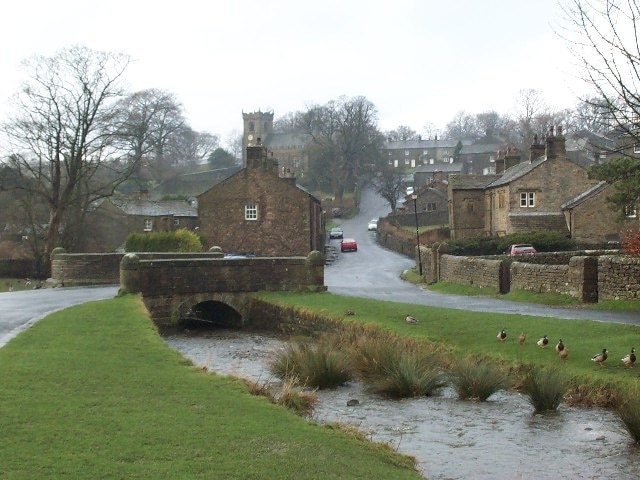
point(348, 245)
point(520, 249)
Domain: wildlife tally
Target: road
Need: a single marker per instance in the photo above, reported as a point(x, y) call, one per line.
point(374, 272)
point(19, 310)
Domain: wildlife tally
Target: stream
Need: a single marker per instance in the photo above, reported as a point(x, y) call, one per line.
point(450, 438)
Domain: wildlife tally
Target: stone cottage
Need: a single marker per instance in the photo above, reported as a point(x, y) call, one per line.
point(260, 210)
point(527, 195)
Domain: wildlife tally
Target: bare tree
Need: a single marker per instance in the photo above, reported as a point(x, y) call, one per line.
point(603, 36)
point(401, 134)
point(388, 183)
point(531, 115)
point(345, 138)
point(61, 136)
point(462, 126)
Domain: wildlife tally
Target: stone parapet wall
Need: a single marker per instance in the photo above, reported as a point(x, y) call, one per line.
point(102, 268)
point(180, 276)
point(478, 272)
point(618, 278)
point(541, 278)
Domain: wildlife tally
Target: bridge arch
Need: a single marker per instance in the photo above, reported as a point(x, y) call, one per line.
point(209, 314)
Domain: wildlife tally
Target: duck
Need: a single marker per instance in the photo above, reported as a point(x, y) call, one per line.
point(410, 319)
point(502, 335)
point(559, 346)
point(599, 358)
point(630, 358)
point(563, 354)
point(521, 338)
point(349, 313)
point(543, 342)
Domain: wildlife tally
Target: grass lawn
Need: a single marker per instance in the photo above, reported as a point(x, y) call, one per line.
point(16, 283)
point(93, 392)
point(463, 332)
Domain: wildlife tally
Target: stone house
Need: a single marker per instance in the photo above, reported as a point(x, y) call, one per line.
point(111, 220)
point(526, 196)
point(258, 211)
point(430, 207)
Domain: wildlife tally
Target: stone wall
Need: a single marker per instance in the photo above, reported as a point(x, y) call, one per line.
point(618, 278)
point(540, 278)
point(478, 272)
point(101, 268)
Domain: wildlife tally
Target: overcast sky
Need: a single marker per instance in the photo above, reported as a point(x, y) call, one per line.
point(418, 61)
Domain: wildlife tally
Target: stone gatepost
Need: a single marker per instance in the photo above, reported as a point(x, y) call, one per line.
point(130, 274)
point(315, 271)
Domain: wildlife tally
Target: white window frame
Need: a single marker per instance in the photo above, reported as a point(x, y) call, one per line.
point(176, 222)
point(636, 148)
point(431, 207)
point(527, 199)
point(148, 225)
point(251, 211)
point(630, 211)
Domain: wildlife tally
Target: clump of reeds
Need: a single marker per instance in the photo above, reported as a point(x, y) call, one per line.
point(545, 388)
point(318, 365)
point(477, 379)
point(293, 396)
point(407, 374)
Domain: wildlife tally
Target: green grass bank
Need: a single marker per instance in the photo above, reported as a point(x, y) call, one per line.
point(93, 392)
point(463, 333)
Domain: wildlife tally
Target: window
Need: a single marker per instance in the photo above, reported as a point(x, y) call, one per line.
point(148, 224)
point(636, 148)
point(251, 212)
point(431, 207)
point(492, 159)
point(406, 153)
point(527, 199)
point(406, 161)
point(630, 211)
point(501, 200)
point(176, 222)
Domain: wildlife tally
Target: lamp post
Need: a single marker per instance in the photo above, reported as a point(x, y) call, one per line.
point(414, 197)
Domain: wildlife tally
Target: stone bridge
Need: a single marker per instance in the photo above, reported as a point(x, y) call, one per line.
point(179, 292)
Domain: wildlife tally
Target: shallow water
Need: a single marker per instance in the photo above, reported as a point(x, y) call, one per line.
point(450, 438)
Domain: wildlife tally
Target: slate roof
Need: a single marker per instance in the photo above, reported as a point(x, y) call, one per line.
point(471, 182)
point(517, 171)
point(285, 140)
point(477, 148)
point(439, 167)
point(574, 202)
point(408, 144)
point(150, 208)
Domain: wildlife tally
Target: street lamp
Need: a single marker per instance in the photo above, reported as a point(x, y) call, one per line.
point(414, 197)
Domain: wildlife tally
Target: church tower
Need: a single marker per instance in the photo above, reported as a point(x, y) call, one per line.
point(257, 126)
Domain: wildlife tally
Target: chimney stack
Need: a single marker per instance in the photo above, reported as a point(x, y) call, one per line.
point(555, 143)
point(536, 150)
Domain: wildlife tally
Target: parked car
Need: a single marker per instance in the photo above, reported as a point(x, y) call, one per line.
point(373, 224)
point(348, 245)
point(336, 232)
point(521, 249)
point(410, 190)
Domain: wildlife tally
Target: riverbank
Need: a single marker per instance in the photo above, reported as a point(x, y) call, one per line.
point(93, 391)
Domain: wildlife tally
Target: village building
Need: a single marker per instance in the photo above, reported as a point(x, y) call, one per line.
point(260, 210)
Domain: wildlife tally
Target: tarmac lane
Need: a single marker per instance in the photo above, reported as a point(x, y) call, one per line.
point(19, 310)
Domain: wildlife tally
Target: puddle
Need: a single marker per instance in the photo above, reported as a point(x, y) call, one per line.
point(450, 438)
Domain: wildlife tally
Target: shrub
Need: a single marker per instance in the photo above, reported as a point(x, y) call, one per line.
point(629, 413)
point(475, 378)
point(181, 240)
point(545, 388)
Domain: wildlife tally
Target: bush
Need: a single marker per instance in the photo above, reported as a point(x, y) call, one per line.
point(545, 387)
point(181, 240)
point(475, 378)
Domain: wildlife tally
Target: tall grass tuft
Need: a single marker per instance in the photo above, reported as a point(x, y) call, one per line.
point(629, 413)
point(476, 378)
point(294, 397)
point(545, 388)
point(408, 374)
point(319, 365)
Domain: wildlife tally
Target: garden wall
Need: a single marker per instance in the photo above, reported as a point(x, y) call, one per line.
point(618, 278)
point(478, 272)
